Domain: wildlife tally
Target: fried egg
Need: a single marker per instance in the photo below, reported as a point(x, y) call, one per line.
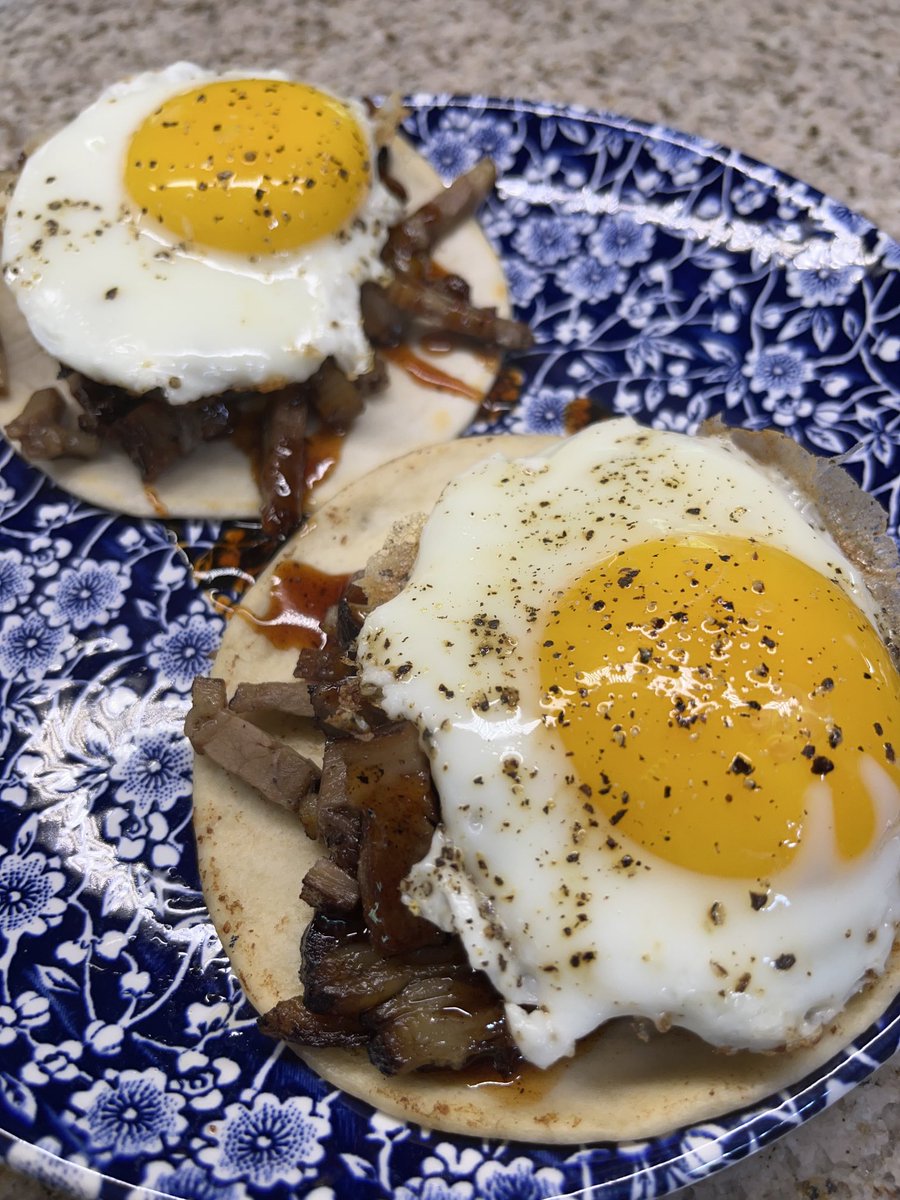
point(197, 233)
point(661, 721)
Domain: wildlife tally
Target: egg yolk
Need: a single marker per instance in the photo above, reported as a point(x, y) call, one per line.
point(711, 692)
point(250, 166)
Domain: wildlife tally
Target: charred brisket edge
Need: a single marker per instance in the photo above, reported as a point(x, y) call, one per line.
point(46, 429)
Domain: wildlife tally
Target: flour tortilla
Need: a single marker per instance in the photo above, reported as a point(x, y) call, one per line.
point(253, 857)
point(216, 480)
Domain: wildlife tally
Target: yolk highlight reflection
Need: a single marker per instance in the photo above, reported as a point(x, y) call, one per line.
point(701, 686)
point(249, 166)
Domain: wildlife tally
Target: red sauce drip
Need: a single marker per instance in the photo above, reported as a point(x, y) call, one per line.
point(323, 453)
point(299, 598)
point(427, 374)
point(446, 343)
point(323, 448)
point(154, 501)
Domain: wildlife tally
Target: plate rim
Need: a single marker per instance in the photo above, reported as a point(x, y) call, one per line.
point(887, 1028)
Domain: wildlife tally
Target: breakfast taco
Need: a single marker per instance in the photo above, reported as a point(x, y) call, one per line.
point(213, 278)
point(582, 753)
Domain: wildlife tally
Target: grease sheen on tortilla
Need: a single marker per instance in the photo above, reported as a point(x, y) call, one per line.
point(253, 857)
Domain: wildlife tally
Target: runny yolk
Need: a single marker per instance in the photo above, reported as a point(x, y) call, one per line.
point(250, 166)
point(711, 693)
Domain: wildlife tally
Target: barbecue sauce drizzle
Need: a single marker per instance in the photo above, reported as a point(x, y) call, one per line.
point(429, 375)
point(299, 598)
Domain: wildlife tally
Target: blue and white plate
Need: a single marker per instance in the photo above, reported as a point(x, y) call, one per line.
point(664, 277)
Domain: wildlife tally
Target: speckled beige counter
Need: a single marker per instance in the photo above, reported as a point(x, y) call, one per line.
point(812, 88)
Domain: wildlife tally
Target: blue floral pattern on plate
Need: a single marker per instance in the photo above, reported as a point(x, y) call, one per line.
point(664, 277)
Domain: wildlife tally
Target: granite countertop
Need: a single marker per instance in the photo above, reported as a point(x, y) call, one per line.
point(813, 89)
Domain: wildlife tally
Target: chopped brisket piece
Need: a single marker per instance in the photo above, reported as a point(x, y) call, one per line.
point(339, 400)
point(208, 698)
point(417, 234)
point(338, 819)
point(431, 307)
point(341, 709)
point(396, 751)
point(152, 432)
point(376, 815)
point(102, 403)
point(329, 888)
point(46, 429)
point(154, 435)
point(438, 1021)
point(293, 1021)
point(329, 672)
point(384, 323)
point(282, 481)
point(329, 663)
point(289, 697)
point(276, 771)
point(348, 616)
point(399, 818)
point(342, 972)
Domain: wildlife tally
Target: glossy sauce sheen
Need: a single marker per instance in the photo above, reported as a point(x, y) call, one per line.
point(323, 453)
point(232, 563)
point(299, 598)
point(427, 373)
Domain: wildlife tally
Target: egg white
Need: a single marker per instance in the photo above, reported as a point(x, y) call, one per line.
point(129, 306)
point(457, 653)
